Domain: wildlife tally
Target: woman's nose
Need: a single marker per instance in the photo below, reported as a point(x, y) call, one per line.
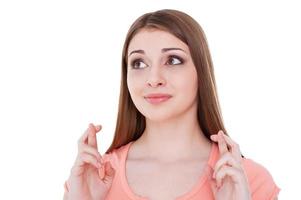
point(155, 77)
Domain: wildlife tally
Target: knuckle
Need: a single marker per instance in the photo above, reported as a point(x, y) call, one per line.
point(227, 155)
point(73, 169)
point(80, 146)
point(224, 167)
point(80, 151)
point(86, 157)
point(80, 141)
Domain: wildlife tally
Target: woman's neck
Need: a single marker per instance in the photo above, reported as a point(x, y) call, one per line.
point(173, 140)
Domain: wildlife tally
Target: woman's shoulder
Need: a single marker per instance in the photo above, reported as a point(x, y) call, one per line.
point(116, 155)
point(261, 182)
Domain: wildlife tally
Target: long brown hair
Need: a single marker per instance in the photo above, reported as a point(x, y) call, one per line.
point(130, 122)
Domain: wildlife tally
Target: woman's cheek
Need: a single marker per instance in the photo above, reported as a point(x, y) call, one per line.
point(135, 85)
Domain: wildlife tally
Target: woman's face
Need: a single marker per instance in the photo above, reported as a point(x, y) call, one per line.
point(159, 63)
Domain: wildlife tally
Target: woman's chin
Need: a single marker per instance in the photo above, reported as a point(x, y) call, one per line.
point(158, 116)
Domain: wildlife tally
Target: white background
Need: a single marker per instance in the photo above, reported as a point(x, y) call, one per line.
point(60, 70)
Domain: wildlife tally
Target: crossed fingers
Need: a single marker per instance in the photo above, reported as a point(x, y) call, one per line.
point(229, 163)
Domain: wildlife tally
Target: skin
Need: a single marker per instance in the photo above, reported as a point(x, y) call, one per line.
point(84, 182)
point(230, 180)
point(172, 131)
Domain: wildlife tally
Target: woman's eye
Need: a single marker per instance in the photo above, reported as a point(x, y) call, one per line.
point(138, 64)
point(174, 60)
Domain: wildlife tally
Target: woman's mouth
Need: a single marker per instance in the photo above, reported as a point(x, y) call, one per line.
point(157, 98)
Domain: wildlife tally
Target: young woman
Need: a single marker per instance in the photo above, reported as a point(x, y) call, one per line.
point(170, 141)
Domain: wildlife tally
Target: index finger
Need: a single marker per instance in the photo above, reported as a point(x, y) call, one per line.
point(222, 145)
point(84, 137)
point(92, 140)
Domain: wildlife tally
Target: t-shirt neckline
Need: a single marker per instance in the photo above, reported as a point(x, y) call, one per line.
point(203, 177)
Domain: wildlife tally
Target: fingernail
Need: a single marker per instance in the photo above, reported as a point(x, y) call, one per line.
point(98, 165)
point(101, 173)
point(221, 134)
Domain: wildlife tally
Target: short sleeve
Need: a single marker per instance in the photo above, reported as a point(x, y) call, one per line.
point(261, 182)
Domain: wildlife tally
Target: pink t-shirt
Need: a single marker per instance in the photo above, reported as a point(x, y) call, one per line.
point(261, 183)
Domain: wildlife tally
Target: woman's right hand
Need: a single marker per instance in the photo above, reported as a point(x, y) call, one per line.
point(90, 178)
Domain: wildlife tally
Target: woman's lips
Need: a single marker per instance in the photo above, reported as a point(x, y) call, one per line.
point(157, 98)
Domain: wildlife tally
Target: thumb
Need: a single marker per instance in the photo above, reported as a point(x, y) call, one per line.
point(110, 171)
point(92, 140)
point(106, 169)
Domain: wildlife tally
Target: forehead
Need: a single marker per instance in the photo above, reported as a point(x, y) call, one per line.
point(154, 39)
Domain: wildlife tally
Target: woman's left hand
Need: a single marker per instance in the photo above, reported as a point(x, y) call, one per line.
point(231, 181)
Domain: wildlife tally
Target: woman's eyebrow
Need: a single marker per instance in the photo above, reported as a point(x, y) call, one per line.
point(170, 49)
point(163, 50)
